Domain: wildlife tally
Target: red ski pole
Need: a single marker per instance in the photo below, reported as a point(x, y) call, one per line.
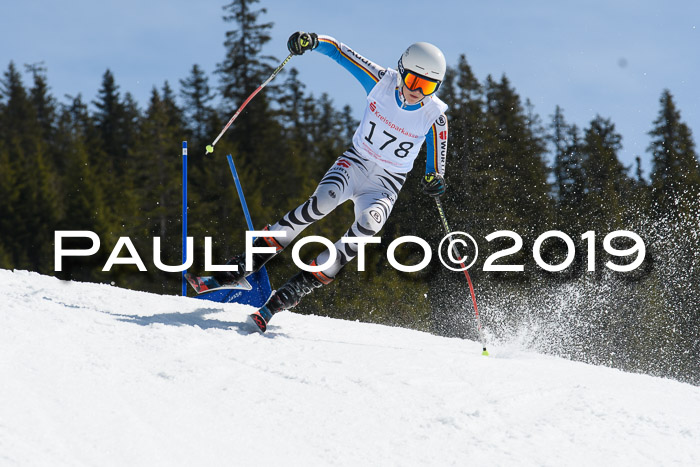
point(466, 274)
point(210, 147)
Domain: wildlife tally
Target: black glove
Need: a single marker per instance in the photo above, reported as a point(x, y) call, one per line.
point(433, 184)
point(300, 42)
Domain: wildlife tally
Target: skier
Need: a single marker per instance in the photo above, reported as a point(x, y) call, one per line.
point(402, 112)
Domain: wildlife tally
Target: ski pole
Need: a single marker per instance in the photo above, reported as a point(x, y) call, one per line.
point(210, 147)
point(443, 218)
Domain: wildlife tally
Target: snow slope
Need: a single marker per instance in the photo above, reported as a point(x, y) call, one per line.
point(96, 375)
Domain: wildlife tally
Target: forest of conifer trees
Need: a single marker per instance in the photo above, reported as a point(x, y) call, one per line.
point(104, 163)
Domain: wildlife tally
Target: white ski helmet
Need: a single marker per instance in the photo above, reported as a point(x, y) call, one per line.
point(423, 59)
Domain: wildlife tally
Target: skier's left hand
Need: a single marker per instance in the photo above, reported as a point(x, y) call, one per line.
point(433, 184)
point(300, 42)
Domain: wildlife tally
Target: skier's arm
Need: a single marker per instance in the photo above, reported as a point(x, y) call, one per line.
point(436, 140)
point(365, 71)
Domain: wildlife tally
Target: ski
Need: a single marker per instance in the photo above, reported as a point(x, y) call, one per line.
point(257, 322)
point(259, 319)
point(204, 284)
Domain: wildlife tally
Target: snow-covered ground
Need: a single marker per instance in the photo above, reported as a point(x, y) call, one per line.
point(96, 375)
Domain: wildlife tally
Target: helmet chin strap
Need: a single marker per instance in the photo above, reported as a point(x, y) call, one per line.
point(404, 103)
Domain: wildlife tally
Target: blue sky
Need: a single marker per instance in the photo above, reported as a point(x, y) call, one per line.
point(607, 57)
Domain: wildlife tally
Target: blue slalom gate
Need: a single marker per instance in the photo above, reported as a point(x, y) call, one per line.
point(259, 281)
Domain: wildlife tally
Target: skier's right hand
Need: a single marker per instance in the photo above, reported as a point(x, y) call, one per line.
point(433, 184)
point(300, 42)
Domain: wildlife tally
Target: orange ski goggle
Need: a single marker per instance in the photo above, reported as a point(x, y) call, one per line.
point(414, 82)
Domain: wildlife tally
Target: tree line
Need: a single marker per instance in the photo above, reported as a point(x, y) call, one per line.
point(110, 166)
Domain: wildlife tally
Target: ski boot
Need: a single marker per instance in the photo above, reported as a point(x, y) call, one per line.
point(289, 295)
point(259, 260)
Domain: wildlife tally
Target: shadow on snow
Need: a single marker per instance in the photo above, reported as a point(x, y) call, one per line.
point(196, 318)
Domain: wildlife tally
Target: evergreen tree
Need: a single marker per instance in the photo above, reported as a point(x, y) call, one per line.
point(243, 69)
point(559, 129)
point(466, 166)
point(606, 179)
point(44, 104)
point(568, 172)
point(110, 121)
point(199, 113)
point(292, 101)
point(15, 109)
point(131, 122)
point(157, 176)
point(30, 228)
point(81, 191)
point(44, 209)
point(116, 123)
point(299, 115)
point(349, 124)
point(675, 193)
point(637, 204)
point(173, 112)
point(9, 215)
point(77, 120)
point(519, 193)
point(675, 176)
point(19, 115)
